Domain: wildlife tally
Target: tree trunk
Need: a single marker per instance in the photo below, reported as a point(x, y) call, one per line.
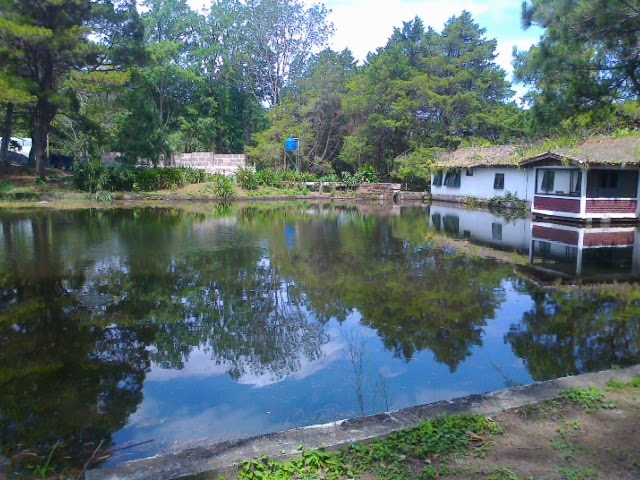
point(42, 118)
point(7, 129)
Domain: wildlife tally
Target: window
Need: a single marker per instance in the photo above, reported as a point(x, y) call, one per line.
point(469, 172)
point(452, 178)
point(548, 180)
point(498, 181)
point(544, 247)
point(609, 179)
point(576, 183)
point(436, 221)
point(451, 225)
point(496, 231)
point(437, 179)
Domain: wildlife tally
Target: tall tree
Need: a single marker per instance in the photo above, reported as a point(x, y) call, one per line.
point(588, 56)
point(76, 35)
point(279, 38)
point(311, 110)
point(428, 90)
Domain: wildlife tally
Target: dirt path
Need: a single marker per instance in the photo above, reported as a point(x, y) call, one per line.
point(562, 440)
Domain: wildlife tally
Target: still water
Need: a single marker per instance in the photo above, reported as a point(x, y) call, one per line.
point(182, 326)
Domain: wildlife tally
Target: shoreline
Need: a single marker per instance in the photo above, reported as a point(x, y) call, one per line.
point(218, 458)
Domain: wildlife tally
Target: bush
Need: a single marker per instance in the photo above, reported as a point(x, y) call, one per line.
point(268, 177)
point(94, 176)
point(224, 187)
point(247, 179)
point(368, 174)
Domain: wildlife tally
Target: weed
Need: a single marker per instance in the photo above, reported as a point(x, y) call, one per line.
point(224, 188)
point(568, 473)
point(505, 474)
point(551, 410)
point(425, 448)
point(590, 398)
point(617, 385)
point(43, 471)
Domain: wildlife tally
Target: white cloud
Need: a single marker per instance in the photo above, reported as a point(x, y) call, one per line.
point(364, 25)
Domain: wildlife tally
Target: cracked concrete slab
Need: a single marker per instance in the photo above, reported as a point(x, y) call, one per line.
point(220, 456)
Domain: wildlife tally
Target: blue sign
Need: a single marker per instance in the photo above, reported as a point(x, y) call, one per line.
point(291, 145)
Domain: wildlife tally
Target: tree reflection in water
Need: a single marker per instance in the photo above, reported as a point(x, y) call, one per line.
point(581, 331)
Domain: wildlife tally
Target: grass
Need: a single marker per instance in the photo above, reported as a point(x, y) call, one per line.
point(590, 398)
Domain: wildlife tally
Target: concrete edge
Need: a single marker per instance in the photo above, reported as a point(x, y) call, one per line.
point(221, 456)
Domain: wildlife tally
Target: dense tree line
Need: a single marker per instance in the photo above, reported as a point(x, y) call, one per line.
point(87, 76)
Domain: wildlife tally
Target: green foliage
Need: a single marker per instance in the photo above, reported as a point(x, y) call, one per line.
point(389, 458)
point(571, 473)
point(427, 89)
point(618, 385)
point(43, 471)
point(511, 203)
point(94, 177)
point(329, 178)
point(247, 178)
point(585, 62)
point(224, 187)
point(590, 398)
point(414, 169)
point(54, 38)
point(368, 174)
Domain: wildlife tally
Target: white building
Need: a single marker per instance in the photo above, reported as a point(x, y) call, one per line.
point(481, 173)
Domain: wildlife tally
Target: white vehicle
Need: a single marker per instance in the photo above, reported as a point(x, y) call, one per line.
point(25, 145)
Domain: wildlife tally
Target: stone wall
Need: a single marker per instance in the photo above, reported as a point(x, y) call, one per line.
point(210, 162)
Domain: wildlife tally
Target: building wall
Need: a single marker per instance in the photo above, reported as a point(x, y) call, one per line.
point(211, 162)
point(517, 181)
point(482, 227)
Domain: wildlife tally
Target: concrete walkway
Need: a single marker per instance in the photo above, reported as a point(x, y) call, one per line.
point(284, 444)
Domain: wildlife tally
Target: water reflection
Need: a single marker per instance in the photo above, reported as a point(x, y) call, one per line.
point(595, 254)
point(183, 326)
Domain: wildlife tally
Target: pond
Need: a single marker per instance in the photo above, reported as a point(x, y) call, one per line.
point(172, 327)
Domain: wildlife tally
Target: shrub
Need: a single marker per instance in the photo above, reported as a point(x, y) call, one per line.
point(247, 178)
point(94, 176)
point(224, 187)
point(268, 177)
point(368, 174)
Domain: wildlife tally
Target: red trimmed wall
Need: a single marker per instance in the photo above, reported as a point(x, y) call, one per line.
point(569, 205)
point(601, 239)
point(611, 206)
point(570, 237)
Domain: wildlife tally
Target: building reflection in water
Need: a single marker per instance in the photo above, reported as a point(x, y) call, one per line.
point(592, 253)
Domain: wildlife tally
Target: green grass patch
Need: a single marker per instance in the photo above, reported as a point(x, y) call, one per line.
point(618, 385)
point(569, 473)
point(421, 451)
point(590, 398)
point(279, 192)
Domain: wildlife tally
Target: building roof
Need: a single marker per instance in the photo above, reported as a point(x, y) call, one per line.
point(601, 150)
point(595, 151)
point(496, 156)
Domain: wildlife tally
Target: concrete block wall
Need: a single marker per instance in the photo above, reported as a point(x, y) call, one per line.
point(210, 162)
point(226, 164)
